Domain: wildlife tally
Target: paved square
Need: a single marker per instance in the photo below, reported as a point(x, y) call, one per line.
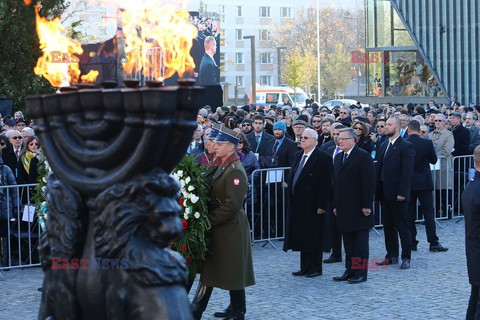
point(436, 287)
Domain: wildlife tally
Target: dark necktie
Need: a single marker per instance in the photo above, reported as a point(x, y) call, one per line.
point(299, 170)
point(389, 147)
point(382, 172)
point(345, 156)
point(275, 146)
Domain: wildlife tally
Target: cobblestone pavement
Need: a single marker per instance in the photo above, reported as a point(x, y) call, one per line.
point(436, 287)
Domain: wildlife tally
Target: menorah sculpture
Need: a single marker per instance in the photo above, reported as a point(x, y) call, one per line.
point(112, 202)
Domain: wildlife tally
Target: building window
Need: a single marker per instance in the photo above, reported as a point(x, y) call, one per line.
point(265, 57)
point(266, 80)
point(265, 12)
point(221, 9)
point(222, 58)
point(264, 35)
point(239, 11)
point(239, 34)
point(239, 81)
point(285, 12)
point(239, 58)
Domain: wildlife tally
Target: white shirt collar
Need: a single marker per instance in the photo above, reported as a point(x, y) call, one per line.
point(308, 154)
point(349, 151)
point(393, 141)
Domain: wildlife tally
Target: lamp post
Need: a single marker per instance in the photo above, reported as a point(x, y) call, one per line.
point(279, 72)
point(318, 56)
point(253, 63)
point(358, 42)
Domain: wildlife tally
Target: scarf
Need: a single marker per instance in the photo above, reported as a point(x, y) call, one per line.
point(26, 158)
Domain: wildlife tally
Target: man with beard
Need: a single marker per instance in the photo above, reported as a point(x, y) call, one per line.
point(380, 137)
point(394, 176)
point(283, 151)
point(317, 124)
point(246, 126)
point(325, 136)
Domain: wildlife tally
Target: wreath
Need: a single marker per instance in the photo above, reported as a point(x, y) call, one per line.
point(193, 201)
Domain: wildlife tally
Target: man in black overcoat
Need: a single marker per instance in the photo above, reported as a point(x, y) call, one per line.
point(261, 142)
point(354, 190)
point(394, 179)
point(422, 187)
point(310, 183)
point(471, 210)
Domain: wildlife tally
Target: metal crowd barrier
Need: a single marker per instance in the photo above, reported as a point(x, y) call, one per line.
point(19, 228)
point(267, 204)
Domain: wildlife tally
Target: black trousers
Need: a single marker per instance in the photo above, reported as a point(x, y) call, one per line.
point(203, 294)
point(426, 208)
point(333, 237)
point(396, 222)
point(473, 311)
point(356, 251)
point(311, 261)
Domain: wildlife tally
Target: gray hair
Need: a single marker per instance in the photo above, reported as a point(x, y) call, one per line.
point(11, 132)
point(312, 132)
point(347, 109)
point(351, 133)
point(473, 115)
point(29, 130)
point(420, 119)
point(329, 116)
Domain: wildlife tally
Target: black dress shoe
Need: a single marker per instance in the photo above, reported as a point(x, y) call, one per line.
point(313, 274)
point(414, 245)
point(438, 248)
point(236, 316)
point(299, 273)
point(405, 264)
point(346, 276)
point(385, 262)
point(356, 280)
point(332, 259)
point(225, 313)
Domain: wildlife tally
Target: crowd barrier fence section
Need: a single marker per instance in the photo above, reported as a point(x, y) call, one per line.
point(19, 227)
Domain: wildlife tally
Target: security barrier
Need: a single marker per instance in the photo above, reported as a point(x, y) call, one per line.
point(19, 229)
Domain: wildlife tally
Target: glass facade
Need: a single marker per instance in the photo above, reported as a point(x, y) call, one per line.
point(394, 66)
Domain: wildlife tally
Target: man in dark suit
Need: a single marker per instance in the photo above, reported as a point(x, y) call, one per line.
point(281, 156)
point(394, 176)
point(209, 72)
point(422, 187)
point(403, 126)
point(310, 183)
point(333, 237)
point(261, 142)
point(471, 209)
point(209, 75)
point(353, 200)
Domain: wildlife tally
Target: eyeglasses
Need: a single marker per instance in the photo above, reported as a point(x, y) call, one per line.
point(245, 125)
point(342, 139)
point(380, 126)
point(438, 120)
point(2, 143)
point(423, 131)
point(316, 121)
point(359, 129)
point(343, 113)
point(20, 124)
point(305, 138)
point(16, 138)
point(33, 144)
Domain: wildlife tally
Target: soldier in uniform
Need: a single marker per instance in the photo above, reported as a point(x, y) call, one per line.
point(471, 209)
point(229, 264)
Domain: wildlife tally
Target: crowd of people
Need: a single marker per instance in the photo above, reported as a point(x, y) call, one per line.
point(19, 149)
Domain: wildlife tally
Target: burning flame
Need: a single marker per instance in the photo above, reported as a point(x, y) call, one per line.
point(27, 2)
point(59, 62)
point(158, 39)
point(90, 77)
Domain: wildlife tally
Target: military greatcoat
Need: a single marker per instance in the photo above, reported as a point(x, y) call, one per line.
point(229, 263)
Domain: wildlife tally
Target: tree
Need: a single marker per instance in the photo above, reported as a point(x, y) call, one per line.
point(19, 49)
point(294, 68)
point(336, 42)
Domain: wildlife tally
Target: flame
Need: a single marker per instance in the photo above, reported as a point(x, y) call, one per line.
point(27, 2)
point(158, 39)
point(59, 62)
point(90, 77)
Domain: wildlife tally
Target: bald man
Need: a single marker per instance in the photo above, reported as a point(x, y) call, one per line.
point(395, 161)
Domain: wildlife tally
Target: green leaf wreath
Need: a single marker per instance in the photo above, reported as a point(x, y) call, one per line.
point(193, 200)
point(44, 171)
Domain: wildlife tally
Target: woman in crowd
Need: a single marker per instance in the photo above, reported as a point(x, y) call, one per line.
point(28, 167)
point(4, 142)
point(363, 140)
